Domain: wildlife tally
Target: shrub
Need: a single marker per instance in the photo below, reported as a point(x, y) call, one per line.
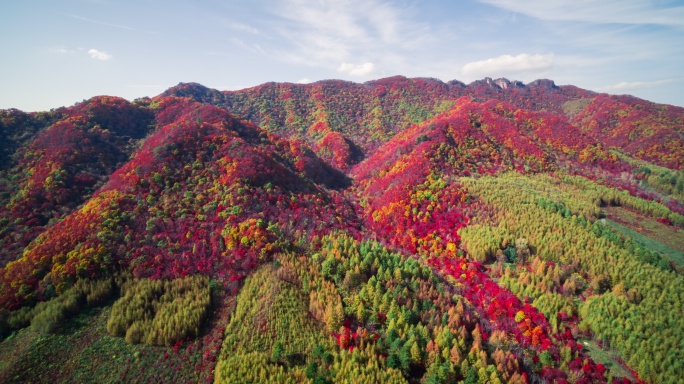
point(96, 292)
point(134, 333)
point(20, 318)
point(50, 314)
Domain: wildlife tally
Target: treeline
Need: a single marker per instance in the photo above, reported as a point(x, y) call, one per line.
point(160, 312)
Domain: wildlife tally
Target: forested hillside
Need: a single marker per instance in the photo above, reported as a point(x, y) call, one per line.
point(399, 230)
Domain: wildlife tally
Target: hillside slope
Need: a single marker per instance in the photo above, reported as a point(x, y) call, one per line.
point(401, 230)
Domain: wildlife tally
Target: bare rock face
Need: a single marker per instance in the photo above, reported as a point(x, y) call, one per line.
point(543, 83)
point(486, 82)
point(501, 83)
point(504, 83)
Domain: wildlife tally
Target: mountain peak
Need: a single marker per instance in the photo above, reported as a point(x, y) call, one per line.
point(504, 83)
point(195, 91)
point(543, 83)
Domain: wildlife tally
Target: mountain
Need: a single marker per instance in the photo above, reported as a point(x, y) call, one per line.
point(396, 230)
point(374, 111)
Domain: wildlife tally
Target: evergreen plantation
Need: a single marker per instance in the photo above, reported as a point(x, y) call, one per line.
point(399, 230)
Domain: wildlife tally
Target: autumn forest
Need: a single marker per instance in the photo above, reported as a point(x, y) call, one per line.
point(402, 230)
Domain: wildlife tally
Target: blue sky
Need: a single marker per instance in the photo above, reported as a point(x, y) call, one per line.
point(56, 53)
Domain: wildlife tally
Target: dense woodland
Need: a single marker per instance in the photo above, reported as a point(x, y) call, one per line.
point(400, 230)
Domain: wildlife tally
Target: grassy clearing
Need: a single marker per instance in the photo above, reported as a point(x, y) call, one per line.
point(607, 359)
point(665, 239)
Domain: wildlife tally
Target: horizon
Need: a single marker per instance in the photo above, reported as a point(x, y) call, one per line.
point(131, 99)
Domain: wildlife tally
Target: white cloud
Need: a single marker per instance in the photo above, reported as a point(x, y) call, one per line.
point(508, 64)
point(364, 69)
point(625, 85)
point(604, 11)
point(324, 33)
point(99, 55)
point(304, 81)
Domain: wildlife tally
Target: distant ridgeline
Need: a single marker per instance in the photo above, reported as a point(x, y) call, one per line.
point(399, 230)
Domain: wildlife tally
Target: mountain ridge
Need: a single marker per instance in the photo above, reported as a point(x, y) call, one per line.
point(410, 216)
